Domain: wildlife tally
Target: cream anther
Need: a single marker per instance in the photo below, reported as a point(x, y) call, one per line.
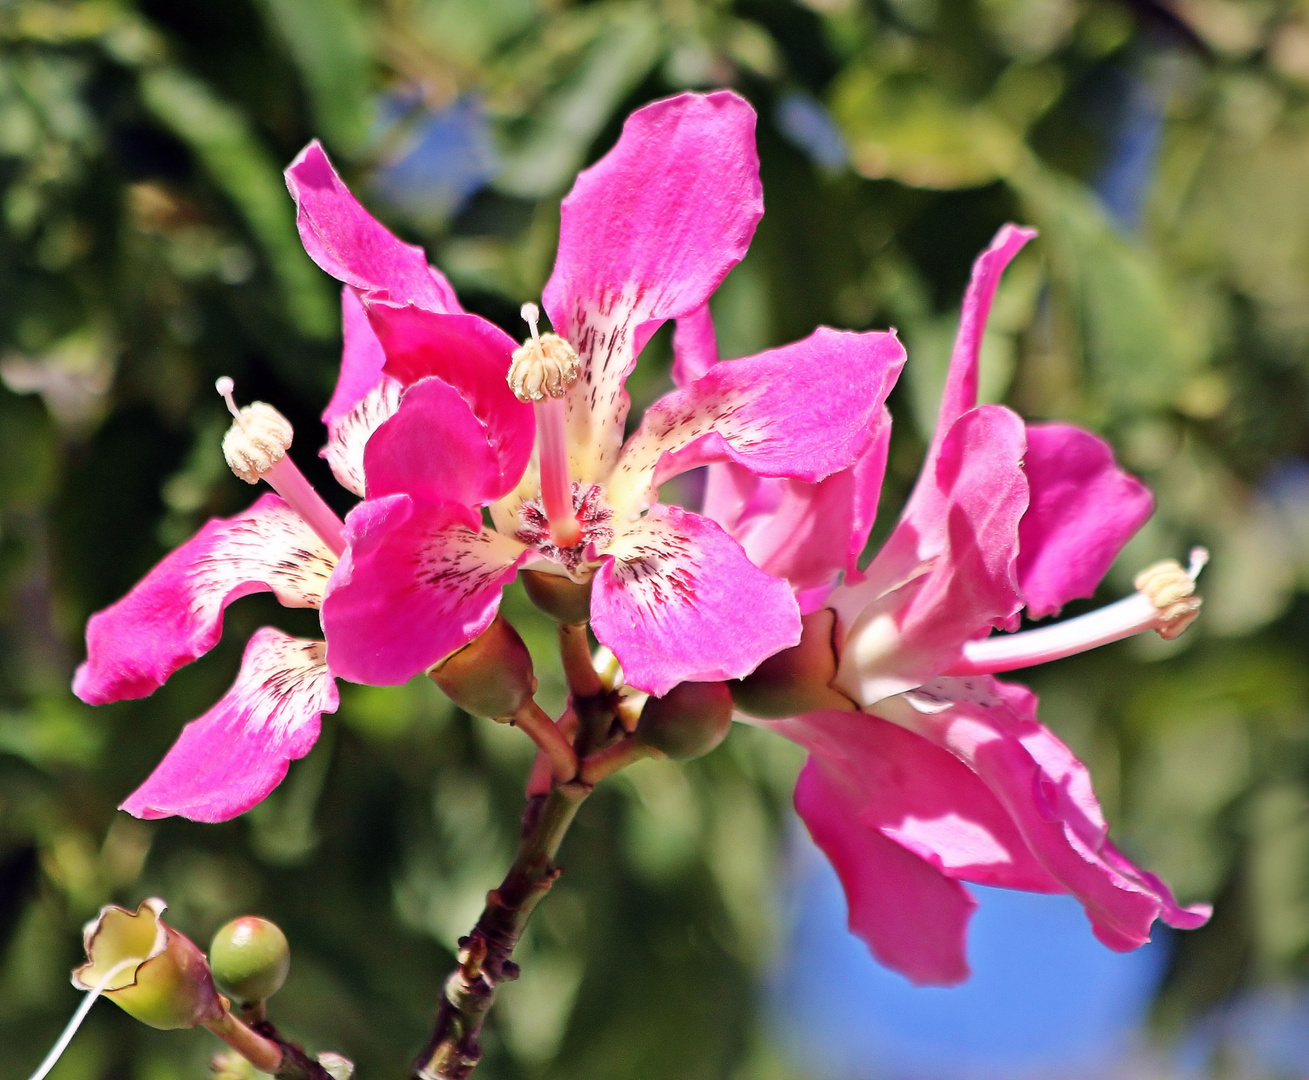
point(1172, 591)
point(256, 441)
point(544, 365)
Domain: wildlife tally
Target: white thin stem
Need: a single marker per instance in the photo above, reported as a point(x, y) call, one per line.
point(61, 1044)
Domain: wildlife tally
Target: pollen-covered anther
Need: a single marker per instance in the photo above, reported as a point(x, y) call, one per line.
point(257, 440)
point(543, 366)
point(1172, 590)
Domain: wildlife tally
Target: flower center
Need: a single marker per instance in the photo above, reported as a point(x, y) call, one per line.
point(594, 526)
point(541, 371)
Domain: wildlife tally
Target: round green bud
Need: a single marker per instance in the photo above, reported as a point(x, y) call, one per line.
point(249, 958)
point(798, 680)
point(688, 721)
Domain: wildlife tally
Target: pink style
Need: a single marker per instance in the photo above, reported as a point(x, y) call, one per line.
point(944, 775)
point(646, 235)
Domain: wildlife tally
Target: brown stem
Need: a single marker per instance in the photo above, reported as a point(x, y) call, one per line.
point(575, 649)
point(543, 731)
point(595, 767)
point(265, 1049)
point(484, 956)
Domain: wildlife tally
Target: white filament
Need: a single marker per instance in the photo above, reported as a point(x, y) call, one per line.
point(61, 1044)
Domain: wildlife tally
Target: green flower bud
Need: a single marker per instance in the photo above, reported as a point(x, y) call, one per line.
point(147, 968)
point(563, 599)
point(250, 958)
point(796, 680)
point(491, 675)
point(688, 721)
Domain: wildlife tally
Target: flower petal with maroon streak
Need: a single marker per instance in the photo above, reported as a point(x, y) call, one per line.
point(364, 398)
point(913, 918)
point(351, 245)
point(418, 581)
point(235, 754)
point(647, 234)
point(992, 728)
point(678, 601)
point(175, 613)
point(1084, 508)
point(803, 411)
point(470, 354)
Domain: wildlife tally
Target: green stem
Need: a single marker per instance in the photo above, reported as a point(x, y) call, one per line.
point(484, 956)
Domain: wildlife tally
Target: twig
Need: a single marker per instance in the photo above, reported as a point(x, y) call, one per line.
point(484, 956)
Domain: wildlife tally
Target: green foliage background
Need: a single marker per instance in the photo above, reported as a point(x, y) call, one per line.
point(148, 246)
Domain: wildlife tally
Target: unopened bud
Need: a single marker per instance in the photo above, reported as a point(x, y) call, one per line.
point(563, 599)
point(250, 959)
point(491, 675)
point(796, 680)
point(257, 440)
point(147, 968)
point(688, 721)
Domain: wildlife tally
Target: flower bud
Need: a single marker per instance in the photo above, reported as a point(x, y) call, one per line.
point(563, 599)
point(162, 978)
point(688, 721)
point(491, 675)
point(796, 680)
point(250, 958)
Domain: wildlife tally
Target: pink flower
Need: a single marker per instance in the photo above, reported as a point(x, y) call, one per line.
point(288, 544)
point(646, 235)
point(945, 775)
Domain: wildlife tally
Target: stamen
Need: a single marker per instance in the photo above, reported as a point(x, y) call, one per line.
point(541, 371)
point(1166, 603)
point(256, 446)
point(61, 1044)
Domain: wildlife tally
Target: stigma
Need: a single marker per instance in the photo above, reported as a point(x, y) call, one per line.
point(256, 446)
point(541, 371)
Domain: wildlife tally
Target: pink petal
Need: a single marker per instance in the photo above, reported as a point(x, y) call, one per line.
point(805, 533)
point(905, 788)
point(235, 754)
point(418, 581)
point(1084, 509)
point(669, 603)
point(175, 613)
point(961, 383)
point(803, 411)
point(913, 918)
point(992, 728)
point(349, 243)
point(647, 234)
point(695, 346)
point(436, 450)
point(947, 572)
point(363, 398)
point(470, 354)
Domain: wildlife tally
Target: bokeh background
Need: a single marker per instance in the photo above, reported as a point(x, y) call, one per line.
point(147, 246)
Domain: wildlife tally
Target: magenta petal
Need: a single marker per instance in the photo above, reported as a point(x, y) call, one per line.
point(961, 383)
point(913, 792)
point(695, 346)
point(992, 728)
point(351, 245)
point(913, 918)
point(470, 354)
point(363, 398)
point(175, 613)
point(647, 234)
point(235, 754)
point(803, 411)
point(1084, 508)
point(947, 572)
point(436, 450)
point(805, 533)
point(671, 603)
point(418, 581)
